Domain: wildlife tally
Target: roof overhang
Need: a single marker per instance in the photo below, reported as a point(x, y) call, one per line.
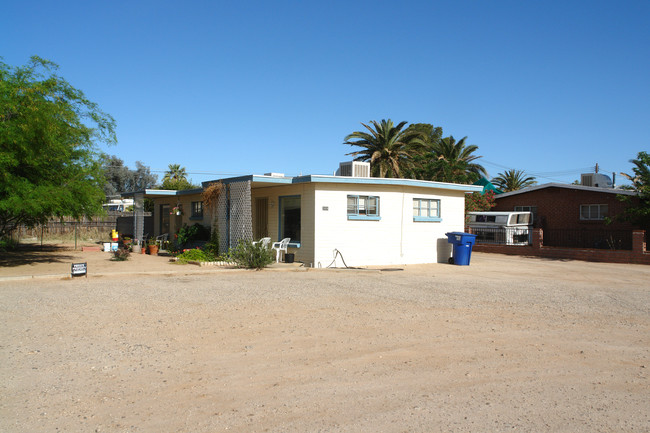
point(151, 193)
point(387, 181)
point(567, 186)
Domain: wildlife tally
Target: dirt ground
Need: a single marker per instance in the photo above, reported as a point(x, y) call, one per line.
point(505, 344)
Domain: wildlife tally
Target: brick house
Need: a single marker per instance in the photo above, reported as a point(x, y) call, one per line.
point(560, 207)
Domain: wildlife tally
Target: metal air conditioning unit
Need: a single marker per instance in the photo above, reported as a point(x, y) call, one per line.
point(354, 169)
point(597, 180)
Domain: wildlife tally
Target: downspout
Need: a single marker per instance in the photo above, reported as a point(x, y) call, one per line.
point(401, 231)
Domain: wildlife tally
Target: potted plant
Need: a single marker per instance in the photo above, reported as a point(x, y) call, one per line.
point(177, 210)
point(152, 246)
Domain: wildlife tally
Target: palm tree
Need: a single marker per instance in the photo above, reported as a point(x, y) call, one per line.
point(641, 177)
point(389, 149)
point(175, 173)
point(453, 161)
point(512, 180)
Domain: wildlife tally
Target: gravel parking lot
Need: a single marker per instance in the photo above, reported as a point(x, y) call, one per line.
point(506, 344)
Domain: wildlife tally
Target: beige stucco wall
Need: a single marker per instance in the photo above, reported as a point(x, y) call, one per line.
point(176, 222)
point(305, 253)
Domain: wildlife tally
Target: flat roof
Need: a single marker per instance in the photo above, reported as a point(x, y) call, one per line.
point(258, 181)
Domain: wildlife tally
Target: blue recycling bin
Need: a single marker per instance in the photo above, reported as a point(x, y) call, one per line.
point(462, 243)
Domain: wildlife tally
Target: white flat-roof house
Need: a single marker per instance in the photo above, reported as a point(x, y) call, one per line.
point(369, 221)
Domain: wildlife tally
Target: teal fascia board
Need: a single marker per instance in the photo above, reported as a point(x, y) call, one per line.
point(252, 178)
point(152, 192)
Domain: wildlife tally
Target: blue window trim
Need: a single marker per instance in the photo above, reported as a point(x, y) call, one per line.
point(427, 219)
point(436, 219)
point(363, 217)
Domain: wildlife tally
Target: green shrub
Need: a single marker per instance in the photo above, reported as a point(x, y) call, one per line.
point(7, 244)
point(195, 255)
point(251, 256)
point(196, 232)
point(213, 245)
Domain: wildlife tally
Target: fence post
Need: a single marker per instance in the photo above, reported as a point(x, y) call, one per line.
point(538, 238)
point(638, 241)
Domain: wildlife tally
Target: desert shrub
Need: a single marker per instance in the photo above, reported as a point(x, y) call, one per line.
point(213, 245)
point(195, 255)
point(195, 232)
point(252, 256)
point(121, 254)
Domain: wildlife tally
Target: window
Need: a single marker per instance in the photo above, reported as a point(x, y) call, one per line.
point(593, 212)
point(363, 207)
point(426, 209)
point(290, 218)
point(197, 210)
point(531, 209)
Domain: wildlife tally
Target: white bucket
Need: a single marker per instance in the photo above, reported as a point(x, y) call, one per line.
point(113, 246)
point(107, 247)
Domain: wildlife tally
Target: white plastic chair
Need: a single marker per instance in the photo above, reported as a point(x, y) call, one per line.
point(264, 241)
point(280, 246)
point(161, 239)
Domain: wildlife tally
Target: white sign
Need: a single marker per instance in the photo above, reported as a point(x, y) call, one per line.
point(80, 269)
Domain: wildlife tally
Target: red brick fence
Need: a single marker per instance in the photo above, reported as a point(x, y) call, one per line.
point(638, 254)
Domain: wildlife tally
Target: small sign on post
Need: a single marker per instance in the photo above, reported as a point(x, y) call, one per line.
point(80, 269)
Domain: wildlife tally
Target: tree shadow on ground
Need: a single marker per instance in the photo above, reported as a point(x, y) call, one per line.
point(33, 254)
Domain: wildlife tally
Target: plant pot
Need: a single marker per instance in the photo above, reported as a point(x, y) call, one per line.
point(144, 250)
point(153, 250)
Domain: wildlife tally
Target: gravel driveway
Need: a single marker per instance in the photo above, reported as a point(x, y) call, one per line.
point(506, 344)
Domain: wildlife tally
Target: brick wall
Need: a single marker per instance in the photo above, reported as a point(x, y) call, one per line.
point(638, 255)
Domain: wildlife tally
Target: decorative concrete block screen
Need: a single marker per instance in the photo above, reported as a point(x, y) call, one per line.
point(138, 217)
point(222, 219)
point(235, 219)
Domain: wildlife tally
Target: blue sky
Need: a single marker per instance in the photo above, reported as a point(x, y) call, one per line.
point(251, 87)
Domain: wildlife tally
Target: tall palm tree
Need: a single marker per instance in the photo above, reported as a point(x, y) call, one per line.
point(387, 147)
point(453, 161)
point(512, 180)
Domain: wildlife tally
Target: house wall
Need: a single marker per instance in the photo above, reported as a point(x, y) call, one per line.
point(176, 222)
point(395, 239)
point(305, 253)
point(559, 208)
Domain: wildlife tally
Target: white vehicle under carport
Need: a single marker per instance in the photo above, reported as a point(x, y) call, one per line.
point(502, 228)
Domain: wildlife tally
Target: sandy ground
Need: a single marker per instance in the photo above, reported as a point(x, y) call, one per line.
point(505, 344)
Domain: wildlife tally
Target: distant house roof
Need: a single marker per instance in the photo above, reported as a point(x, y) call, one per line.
point(567, 186)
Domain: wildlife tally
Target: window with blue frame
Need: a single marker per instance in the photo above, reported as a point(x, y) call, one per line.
point(363, 207)
point(426, 209)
